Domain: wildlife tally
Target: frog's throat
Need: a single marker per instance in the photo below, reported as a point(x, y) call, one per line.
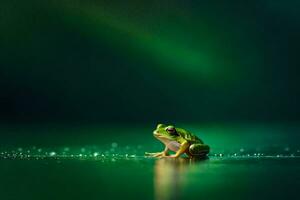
point(171, 144)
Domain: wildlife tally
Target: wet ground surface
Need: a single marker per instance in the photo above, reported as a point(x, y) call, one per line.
point(246, 162)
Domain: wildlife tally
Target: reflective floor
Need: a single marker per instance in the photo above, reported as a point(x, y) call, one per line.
point(246, 162)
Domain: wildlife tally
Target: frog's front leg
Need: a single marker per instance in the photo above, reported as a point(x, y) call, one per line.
point(158, 154)
point(183, 148)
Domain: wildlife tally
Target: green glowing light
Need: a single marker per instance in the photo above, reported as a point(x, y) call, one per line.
point(197, 57)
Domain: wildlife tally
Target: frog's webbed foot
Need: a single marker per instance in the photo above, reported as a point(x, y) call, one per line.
point(158, 154)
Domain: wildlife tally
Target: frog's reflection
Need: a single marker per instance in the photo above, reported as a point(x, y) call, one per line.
point(170, 177)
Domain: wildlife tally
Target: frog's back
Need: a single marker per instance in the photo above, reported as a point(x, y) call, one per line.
point(190, 137)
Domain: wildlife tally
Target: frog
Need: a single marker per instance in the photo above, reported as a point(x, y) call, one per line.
point(179, 141)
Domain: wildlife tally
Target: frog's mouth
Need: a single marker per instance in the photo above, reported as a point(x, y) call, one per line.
point(159, 136)
point(156, 134)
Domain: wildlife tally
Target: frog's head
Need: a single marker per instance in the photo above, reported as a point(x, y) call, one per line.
point(164, 132)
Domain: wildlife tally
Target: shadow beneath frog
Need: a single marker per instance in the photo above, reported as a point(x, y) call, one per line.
point(170, 176)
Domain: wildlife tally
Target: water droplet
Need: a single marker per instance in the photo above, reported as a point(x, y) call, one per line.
point(52, 153)
point(96, 154)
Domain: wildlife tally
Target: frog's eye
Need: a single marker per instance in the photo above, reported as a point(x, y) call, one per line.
point(171, 130)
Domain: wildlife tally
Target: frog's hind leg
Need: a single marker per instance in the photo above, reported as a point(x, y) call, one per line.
point(198, 150)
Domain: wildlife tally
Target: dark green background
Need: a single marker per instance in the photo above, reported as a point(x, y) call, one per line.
point(83, 83)
point(148, 61)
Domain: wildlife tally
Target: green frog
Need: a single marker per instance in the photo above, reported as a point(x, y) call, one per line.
point(179, 141)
